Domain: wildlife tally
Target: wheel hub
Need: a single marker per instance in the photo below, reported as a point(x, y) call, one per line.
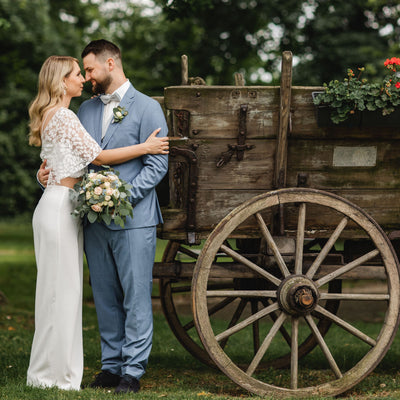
point(297, 295)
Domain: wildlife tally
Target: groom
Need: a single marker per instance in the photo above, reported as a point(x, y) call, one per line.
point(121, 260)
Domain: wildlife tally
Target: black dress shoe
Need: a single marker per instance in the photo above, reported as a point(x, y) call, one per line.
point(105, 379)
point(128, 384)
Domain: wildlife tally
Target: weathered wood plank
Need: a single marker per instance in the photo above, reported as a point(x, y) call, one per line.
point(261, 123)
point(214, 111)
point(214, 205)
point(284, 120)
point(316, 159)
point(237, 270)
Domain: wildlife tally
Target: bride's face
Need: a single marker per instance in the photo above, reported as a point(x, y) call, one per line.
point(74, 82)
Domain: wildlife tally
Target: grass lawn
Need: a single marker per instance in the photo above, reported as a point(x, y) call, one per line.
point(172, 372)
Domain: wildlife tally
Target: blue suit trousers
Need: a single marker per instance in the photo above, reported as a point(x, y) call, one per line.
point(121, 266)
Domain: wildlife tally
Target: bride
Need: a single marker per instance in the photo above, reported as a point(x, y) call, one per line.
point(57, 353)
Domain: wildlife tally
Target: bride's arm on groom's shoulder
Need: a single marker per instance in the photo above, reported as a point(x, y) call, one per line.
point(42, 175)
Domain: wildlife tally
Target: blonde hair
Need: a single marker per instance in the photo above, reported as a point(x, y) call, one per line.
point(50, 92)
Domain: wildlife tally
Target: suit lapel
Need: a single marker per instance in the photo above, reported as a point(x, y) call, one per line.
point(98, 118)
point(126, 102)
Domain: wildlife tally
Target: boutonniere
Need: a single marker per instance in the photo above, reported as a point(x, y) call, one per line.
point(119, 114)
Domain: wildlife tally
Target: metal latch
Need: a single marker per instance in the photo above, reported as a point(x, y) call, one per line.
point(241, 145)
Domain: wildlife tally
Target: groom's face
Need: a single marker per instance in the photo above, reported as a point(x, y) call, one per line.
point(97, 72)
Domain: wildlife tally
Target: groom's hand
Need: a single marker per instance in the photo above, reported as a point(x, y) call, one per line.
point(43, 174)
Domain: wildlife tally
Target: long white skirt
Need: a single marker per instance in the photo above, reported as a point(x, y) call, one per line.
point(57, 351)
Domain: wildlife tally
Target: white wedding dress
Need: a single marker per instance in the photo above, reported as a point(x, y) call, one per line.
point(57, 351)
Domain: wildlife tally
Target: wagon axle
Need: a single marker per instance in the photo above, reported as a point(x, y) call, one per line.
point(297, 295)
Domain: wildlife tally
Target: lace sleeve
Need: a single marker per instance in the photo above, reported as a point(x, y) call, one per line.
point(75, 147)
point(75, 136)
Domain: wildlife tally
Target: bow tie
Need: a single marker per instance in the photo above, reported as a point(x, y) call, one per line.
point(106, 98)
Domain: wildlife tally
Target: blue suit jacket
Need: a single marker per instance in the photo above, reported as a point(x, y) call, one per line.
point(144, 173)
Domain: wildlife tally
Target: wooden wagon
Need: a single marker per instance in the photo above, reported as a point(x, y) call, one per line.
point(276, 224)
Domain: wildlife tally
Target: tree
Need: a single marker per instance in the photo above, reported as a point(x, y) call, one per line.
point(326, 37)
point(342, 35)
point(30, 31)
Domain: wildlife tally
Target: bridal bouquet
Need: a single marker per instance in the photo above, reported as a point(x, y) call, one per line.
point(103, 196)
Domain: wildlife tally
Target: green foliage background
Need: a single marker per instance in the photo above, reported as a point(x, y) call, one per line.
point(220, 37)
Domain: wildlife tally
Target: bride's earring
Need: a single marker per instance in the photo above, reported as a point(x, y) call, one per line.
point(65, 90)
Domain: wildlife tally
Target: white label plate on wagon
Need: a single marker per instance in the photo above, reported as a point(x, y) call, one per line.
point(346, 156)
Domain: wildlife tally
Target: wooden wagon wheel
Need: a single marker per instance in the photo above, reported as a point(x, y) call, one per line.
point(173, 291)
point(169, 290)
point(298, 297)
point(184, 328)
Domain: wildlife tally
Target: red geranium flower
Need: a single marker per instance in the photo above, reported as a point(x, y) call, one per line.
point(391, 62)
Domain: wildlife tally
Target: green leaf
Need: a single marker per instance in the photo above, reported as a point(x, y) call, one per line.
point(92, 216)
point(119, 221)
point(107, 218)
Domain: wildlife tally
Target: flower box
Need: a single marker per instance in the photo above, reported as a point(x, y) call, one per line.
point(354, 102)
point(376, 119)
point(358, 119)
point(323, 117)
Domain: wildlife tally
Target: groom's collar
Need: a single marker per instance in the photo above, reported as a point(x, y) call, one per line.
point(123, 89)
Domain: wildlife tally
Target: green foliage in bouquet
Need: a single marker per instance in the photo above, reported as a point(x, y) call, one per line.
point(103, 197)
point(356, 94)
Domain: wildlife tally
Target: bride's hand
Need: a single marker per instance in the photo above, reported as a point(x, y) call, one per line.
point(157, 145)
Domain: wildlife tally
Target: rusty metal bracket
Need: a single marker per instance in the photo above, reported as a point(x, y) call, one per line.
point(191, 157)
point(183, 120)
point(241, 145)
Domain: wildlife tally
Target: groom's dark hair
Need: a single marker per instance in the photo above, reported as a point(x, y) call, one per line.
point(102, 46)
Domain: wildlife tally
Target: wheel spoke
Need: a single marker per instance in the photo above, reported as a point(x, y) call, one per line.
point(256, 327)
point(188, 252)
point(217, 307)
point(282, 329)
point(241, 293)
point(247, 321)
point(235, 318)
point(323, 346)
point(346, 268)
point(345, 325)
point(354, 296)
point(294, 359)
point(181, 289)
point(326, 249)
point(268, 237)
point(236, 256)
point(298, 266)
point(267, 341)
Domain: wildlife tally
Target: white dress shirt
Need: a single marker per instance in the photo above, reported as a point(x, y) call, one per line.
point(108, 108)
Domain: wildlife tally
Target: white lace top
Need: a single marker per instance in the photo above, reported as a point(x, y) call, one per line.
point(67, 146)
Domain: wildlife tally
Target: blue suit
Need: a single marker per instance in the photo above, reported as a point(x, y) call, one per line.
point(121, 260)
